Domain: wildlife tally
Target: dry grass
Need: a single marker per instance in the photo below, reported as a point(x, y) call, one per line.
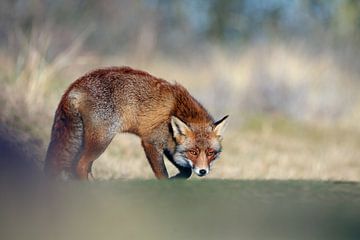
point(285, 150)
point(275, 148)
point(313, 104)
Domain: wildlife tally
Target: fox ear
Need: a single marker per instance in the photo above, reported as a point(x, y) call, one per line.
point(220, 126)
point(179, 127)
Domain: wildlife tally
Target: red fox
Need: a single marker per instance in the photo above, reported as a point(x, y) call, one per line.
point(107, 101)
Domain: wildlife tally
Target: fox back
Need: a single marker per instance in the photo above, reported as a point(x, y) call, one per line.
point(119, 99)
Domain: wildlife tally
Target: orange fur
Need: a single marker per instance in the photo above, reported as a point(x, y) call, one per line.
point(119, 99)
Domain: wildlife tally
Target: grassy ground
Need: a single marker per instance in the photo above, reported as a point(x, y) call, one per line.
point(211, 209)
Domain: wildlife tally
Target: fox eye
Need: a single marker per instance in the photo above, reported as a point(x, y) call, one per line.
point(210, 153)
point(193, 152)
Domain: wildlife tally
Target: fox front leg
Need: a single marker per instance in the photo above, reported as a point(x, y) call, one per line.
point(154, 154)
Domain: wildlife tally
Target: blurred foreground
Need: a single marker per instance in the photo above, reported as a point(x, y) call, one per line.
point(212, 209)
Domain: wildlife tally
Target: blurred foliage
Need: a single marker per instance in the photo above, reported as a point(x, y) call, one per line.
point(232, 20)
point(171, 25)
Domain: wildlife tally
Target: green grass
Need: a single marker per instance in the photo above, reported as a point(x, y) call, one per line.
point(284, 126)
point(197, 209)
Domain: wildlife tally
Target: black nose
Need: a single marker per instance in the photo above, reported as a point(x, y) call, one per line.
point(202, 171)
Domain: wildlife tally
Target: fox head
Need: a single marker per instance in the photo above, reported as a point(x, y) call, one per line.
point(198, 145)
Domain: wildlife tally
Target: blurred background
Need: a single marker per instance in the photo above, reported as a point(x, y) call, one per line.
point(287, 73)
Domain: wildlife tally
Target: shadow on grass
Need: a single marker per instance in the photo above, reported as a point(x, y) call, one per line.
point(20, 156)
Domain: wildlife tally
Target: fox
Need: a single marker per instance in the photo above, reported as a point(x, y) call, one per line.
point(107, 101)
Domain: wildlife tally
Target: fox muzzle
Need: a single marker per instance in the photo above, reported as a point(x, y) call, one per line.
point(201, 172)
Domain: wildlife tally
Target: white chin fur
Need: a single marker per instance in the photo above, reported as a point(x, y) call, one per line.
point(182, 161)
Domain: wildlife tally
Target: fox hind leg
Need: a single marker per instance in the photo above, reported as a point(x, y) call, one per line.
point(96, 140)
point(76, 140)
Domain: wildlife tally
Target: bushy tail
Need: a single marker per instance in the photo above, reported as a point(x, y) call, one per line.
point(66, 141)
